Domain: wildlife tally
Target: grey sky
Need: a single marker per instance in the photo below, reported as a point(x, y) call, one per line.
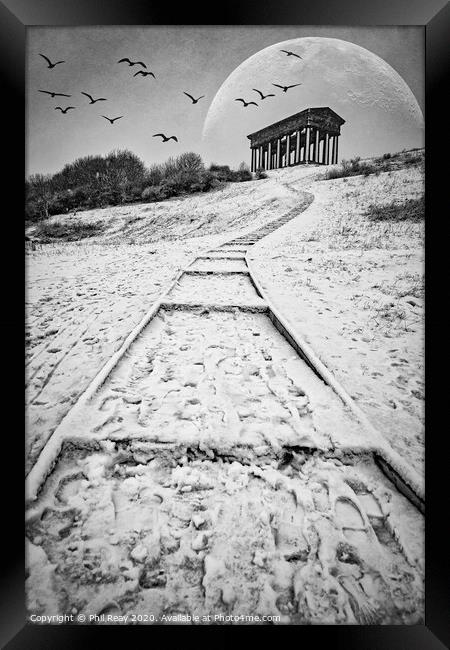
point(192, 59)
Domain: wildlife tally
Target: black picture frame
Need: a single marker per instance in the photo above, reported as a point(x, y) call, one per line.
point(15, 17)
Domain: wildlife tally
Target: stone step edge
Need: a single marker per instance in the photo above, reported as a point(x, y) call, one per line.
point(191, 271)
point(257, 306)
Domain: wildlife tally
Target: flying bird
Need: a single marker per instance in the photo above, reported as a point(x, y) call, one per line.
point(63, 110)
point(100, 99)
point(165, 138)
point(239, 99)
point(50, 64)
point(286, 88)
point(194, 101)
point(47, 92)
point(291, 54)
point(112, 119)
point(262, 95)
point(144, 74)
point(127, 60)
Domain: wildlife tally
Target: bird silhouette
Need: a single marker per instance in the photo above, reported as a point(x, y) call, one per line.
point(48, 92)
point(100, 99)
point(286, 88)
point(239, 99)
point(112, 119)
point(127, 60)
point(262, 95)
point(63, 110)
point(144, 74)
point(50, 64)
point(165, 138)
point(194, 101)
point(288, 53)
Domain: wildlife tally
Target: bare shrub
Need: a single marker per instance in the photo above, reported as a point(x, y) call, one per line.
point(243, 173)
point(385, 163)
point(88, 182)
point(223, 173)
point(408, 210)
point(260, 174)
point(70, 231)
point(121, 177)
point(38, 194)
point(154, 175)
point(153, 193)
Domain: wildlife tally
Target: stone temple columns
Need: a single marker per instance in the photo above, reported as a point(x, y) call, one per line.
point(308, 139)
point(307, 149)
point(297, 147)
point(326, 149)
point(309, 136)
point(333, 150)
point(316, 145)
point(309, 144)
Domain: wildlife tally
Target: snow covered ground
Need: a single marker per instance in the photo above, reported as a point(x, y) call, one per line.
point(354, 288)
point(82, 301)
point(83, 298)
point(213, 473)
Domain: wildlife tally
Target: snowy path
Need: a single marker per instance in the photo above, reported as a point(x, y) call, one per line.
point(214, 473)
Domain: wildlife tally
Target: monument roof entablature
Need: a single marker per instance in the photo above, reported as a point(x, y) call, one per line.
point(322, 117)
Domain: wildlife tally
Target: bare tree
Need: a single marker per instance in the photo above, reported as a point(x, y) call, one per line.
point(39, 186)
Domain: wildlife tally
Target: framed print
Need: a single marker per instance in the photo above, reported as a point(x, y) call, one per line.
point(225, 340)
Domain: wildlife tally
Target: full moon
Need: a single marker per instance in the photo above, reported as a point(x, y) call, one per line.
point(381, 113)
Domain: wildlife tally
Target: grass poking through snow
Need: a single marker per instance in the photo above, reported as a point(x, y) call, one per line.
point(409, 210)
point(68, 231)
